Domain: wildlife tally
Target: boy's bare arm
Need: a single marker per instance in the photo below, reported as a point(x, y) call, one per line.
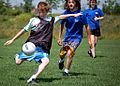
point(69, 15)
point(98, 18)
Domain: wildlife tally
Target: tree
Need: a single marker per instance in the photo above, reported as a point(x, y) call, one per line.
point(1, 3)
point(7, 2)
point(27, 6)
point(54, 3)
point(116, 9)
point(108, 6)
point(2, 8)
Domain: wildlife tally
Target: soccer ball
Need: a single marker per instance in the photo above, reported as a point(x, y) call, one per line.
point(28, 48)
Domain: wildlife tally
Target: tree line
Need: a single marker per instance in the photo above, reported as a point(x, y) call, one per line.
point(7, 9)
point(109, 7)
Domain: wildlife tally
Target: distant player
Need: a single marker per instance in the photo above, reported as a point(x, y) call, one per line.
point(41, 28)
point(73, 36)
point(94, 15)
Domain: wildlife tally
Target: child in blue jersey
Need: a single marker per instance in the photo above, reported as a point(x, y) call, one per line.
point(94, 15)
point(41, 28)
point(74, 34)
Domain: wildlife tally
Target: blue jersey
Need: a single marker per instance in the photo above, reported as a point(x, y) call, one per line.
point(74, 26)
point(91, 14)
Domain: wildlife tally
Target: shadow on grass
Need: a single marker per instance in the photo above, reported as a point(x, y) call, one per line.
point(47, 79)
point(43, 79)
point(22, 78)
point(100, 56)
point(81, 74)
point(1, 57)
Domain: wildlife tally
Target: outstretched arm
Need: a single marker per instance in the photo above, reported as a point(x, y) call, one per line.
point(69, 15)
point(98, 18)
point(64, 16)
point(14, 38)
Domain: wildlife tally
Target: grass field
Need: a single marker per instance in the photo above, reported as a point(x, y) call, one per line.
point(110, 25)
point(85, 71)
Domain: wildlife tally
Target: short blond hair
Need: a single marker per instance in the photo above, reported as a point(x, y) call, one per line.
point(43, 7)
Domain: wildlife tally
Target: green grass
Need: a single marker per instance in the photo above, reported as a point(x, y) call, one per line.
point(110, 25)
point(85, 71)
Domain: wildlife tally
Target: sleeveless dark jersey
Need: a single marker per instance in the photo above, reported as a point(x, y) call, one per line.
point(42, 36)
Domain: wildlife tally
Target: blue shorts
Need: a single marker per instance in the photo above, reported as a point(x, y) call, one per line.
point(37, 56)
point(73, 43)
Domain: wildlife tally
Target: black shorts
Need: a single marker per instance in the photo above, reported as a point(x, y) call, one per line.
point(95, 32)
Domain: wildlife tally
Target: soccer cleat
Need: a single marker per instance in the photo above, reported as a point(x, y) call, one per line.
point(61, 64)
point(65, 74)
point(32, 81)
point(90, 53)
point(93, 56)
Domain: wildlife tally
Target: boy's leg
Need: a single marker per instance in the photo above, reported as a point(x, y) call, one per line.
point(62, 54)
point(95, 41)
point(93, 46)
point(70, 55)
point(42, 66)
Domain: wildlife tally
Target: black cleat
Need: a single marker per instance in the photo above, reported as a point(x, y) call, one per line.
point(90, 53)
point(61, 64)
point(65, 74)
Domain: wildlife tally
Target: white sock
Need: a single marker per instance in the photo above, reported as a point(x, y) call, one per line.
point(33, 77)
point(66, 70)
point(30, 79)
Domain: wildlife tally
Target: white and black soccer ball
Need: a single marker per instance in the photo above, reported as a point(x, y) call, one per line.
point(28, 48)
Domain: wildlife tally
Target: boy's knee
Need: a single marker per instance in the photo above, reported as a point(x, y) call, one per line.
point(46, 61)
point(18, 62)
point(70, 54)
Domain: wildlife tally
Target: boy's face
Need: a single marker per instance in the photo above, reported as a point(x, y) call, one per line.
point(71, 4)
point(92, 3)
point(42, 14)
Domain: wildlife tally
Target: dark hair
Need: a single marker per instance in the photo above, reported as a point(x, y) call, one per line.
point(95, 2)
point(77, 4)
point(43, 6)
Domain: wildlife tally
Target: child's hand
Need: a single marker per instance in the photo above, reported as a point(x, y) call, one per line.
point(96, 18)
point(59, 42)
point(8, 42)
point(78, 14)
